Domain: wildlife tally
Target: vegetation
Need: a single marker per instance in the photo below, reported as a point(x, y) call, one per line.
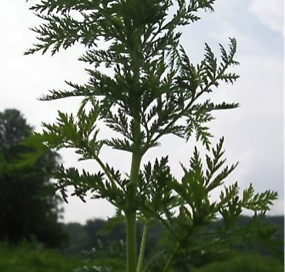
point(155, 91)
point(84, 238)
point(244, 263)
point(32, 257)
point(26, 258)
point(29, 208)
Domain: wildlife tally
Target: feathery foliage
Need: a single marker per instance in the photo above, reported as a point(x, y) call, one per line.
point(155, 91)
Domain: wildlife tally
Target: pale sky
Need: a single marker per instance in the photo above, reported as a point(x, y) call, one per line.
point(254, 133)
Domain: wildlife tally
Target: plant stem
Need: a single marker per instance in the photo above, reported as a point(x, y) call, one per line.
point(131, 242)
point(171, 257)
point(142, 248)
point(131, 235)
point(107, 172)
point(175, 250)
point(136, 160)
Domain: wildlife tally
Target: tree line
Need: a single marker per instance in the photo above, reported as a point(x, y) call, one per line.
point(84, 237)
point(29, 207)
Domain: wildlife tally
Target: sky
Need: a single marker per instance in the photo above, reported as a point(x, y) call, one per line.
point(254, 133)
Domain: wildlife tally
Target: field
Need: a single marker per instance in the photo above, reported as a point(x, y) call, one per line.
point(245, 263)
point(26, 258)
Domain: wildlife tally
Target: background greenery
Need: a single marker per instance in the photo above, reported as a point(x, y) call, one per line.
point(28, 258)
point(29, 208)
point(85, 237)
point(244, 263)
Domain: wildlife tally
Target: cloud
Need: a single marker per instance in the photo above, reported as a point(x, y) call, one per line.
point(270, 13)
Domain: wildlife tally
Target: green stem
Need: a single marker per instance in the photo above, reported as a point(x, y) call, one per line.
point(136, 160)
point(107, 172)
point(142, 248)
point(103, 166)
point(131, 242)
point(171, 257)
point(131, 235)
point(175, 250)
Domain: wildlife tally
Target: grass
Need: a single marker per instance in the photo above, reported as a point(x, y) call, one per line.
point(245, 263)
point(26, 258)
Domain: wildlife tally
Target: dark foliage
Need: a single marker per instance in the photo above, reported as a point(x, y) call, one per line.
point(29, 208)
point(246, 262)
point(85, 237)
point(27, 258)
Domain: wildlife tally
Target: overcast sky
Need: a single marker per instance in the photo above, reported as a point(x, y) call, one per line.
point(253, 133)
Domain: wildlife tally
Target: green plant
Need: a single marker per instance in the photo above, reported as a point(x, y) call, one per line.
point(155, 91)
point(244, 263)
point(25, 257)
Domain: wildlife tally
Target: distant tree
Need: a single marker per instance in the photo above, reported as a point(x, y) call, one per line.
point(77, 238)
point(92, 229)
point(28, 206)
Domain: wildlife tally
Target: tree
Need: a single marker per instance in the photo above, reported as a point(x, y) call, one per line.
point(155, 91)
point(28, 207)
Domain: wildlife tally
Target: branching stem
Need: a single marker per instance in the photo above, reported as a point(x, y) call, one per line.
point(106, 171)
point(171, 257)
point(142, 248)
